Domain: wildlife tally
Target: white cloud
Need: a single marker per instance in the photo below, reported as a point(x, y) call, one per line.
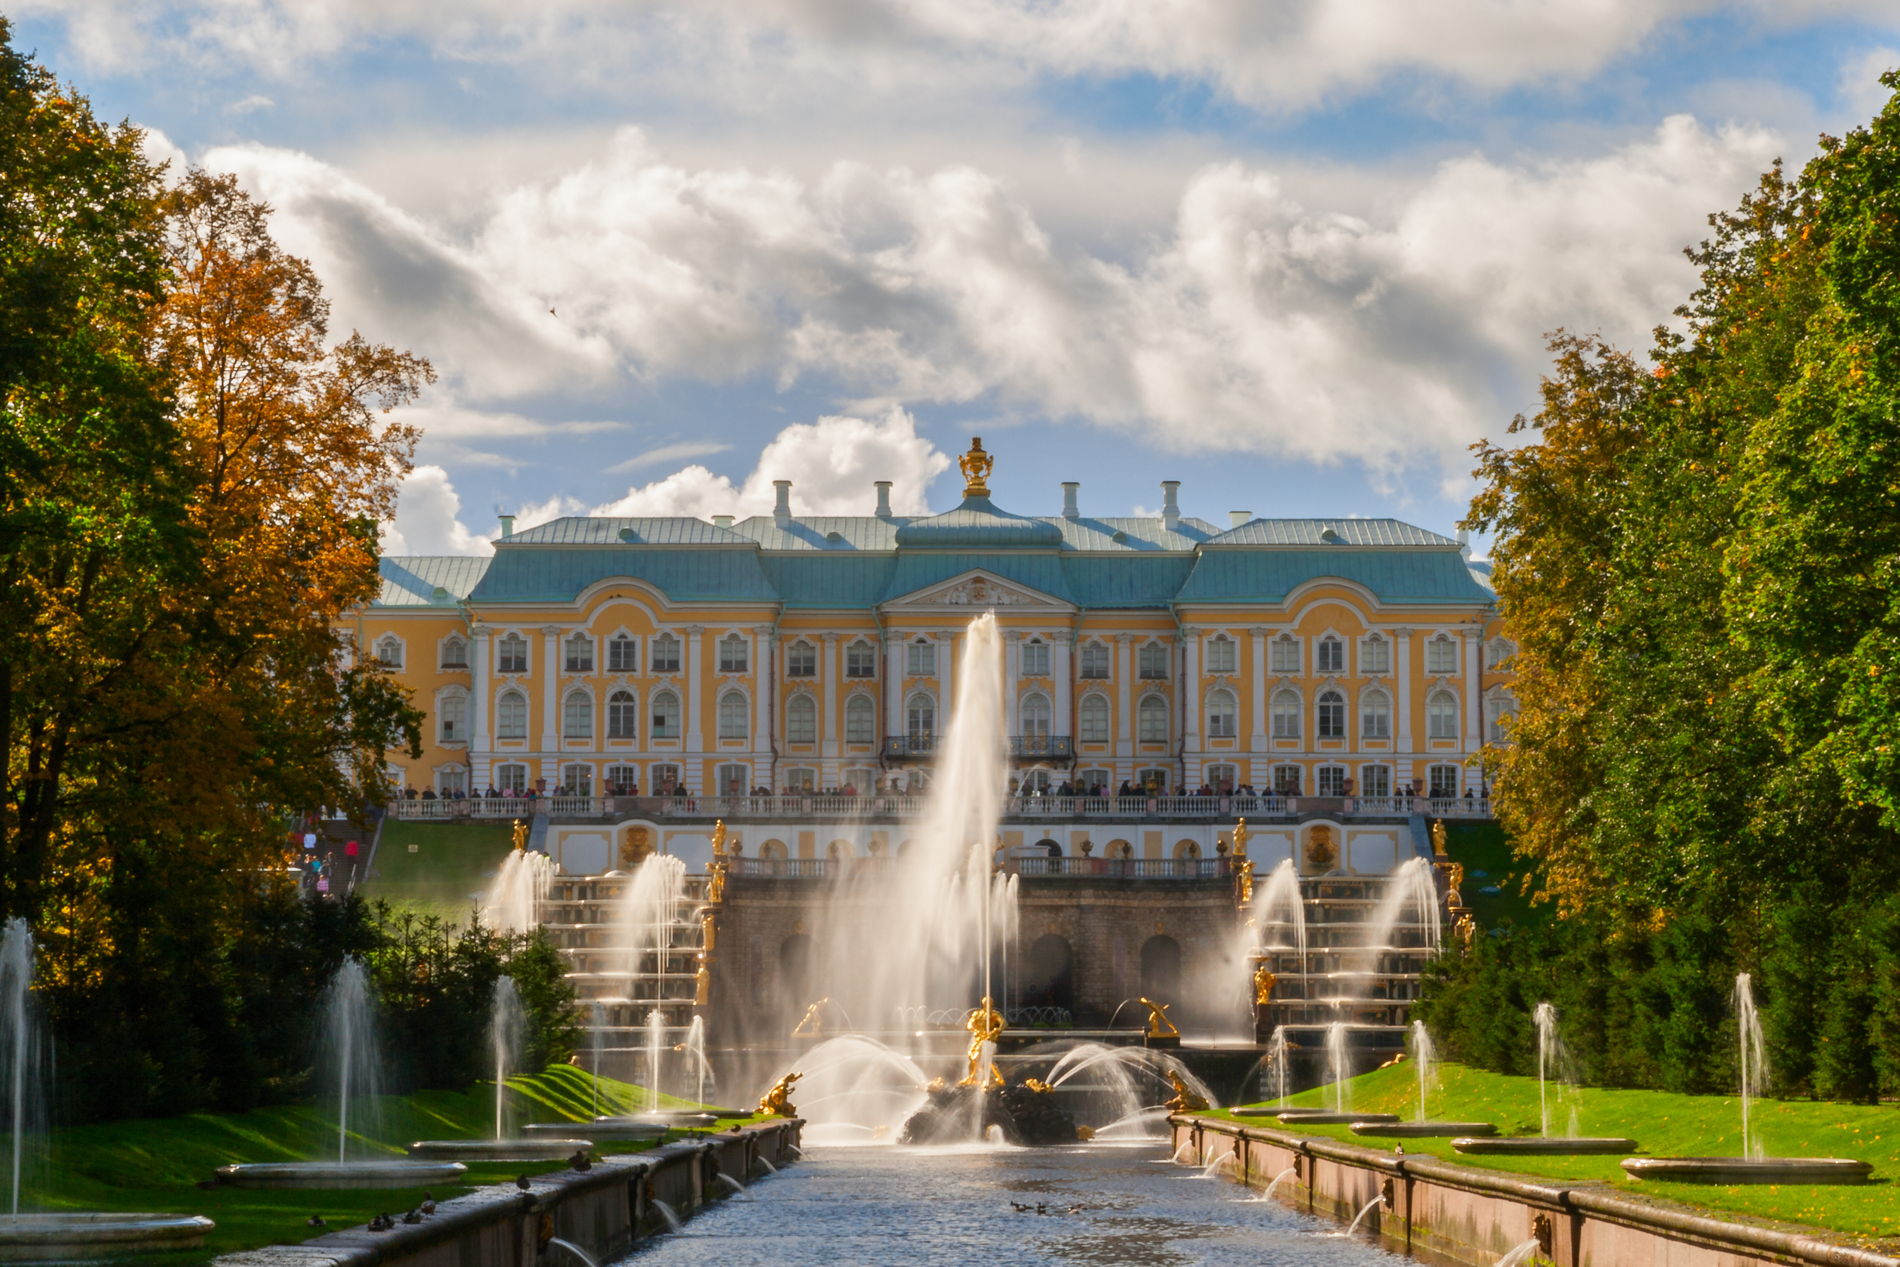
point(1861, 94)
point(668, 453)
point(428, 518)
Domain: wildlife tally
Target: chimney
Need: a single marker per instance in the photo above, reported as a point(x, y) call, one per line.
point(507, 526)
point(722, 521)
point(1170, 504)
point(1235, 518)
point(1464, 543)
point(782, 511)
point(1069, 489)
point(883, 499)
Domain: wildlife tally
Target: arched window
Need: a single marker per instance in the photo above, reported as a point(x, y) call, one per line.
point(920, 716)
point(451, 715)
point(389, 651)
point(733, 654)
point(1223, 715)
point(860, 660)
point(579, 657)
point(801, 719)
point(733, 715)
point(1499, 706)
point(622, 715)
point(1094, 659)
point(455, 652)
point(1375, 715)
point(1284, 655)
point(1375, 654)
point(1035, 655)
point(1094, 719)
point(511, 654)
point(1036, 716)
point(1153, 661)
point(666, 716)
point(1441, 655)
point(1151, 720)
point(511, 716)
point(1441, 715)
point(1286, 714)
point(801, 660)
point(1331, 716)
point(1497, 652)
point(860, 720)
point(1222, 656)
point(666, 653)
point(577, 716)
point(1329, 656)
point(623, 654)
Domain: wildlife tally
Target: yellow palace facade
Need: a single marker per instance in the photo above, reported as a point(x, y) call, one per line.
point(630, 656)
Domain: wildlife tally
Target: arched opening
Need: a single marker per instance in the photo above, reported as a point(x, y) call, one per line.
point(1161, 969)
point(1050, 847)
point(1048, 976)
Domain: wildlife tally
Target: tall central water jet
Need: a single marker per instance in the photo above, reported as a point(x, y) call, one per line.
point(350, 1035)
point(506, 1026)
point(16, 1042)
point(1753, 1059)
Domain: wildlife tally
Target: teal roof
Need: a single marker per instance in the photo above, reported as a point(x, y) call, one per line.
point(822, 532)
point(1039, 571)
point(830, 580)
point(525, 575)
point(608, 530)
point(1120, 535)
point(978, 525)
point(1314, 532)
point(1142, 581)
point(1242, 576)
point(428, 580)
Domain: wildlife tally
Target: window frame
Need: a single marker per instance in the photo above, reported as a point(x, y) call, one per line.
point(511, 641)
point(1222, 710)
point(1375, 654)
point(1285, 714)
point(1223, 655)
point(860, 659)
point(1086, 656)
point(1375, 725)
point(444, 663)
point(1437, 643)
point(920, 658)
point(1094, 706)
point(660, 726)
point(582, 663)
point(623, 654)
point(665, 654)
point(801, 659)
point(1046, 716)
point(502, 701)
point(1151, 661)
point(623, 715)
point(1035, 658)
point(1441, 705)
point(1283, 655)
point(1329, 655)
point(1329, 715)
point(569, 713)
point(732, 716)
point(1151, 707)
point(856, 707)
point(735, 653)
point(801, 719)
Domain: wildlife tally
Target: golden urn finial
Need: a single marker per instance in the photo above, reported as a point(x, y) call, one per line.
point(977, 466)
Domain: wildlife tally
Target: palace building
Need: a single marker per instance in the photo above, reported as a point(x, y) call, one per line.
point(601, 657)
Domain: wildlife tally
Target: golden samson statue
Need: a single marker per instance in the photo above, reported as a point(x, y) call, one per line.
point(985, 1024)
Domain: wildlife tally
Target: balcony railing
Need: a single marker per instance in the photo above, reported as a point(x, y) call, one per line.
point(832, 807)
point(1022, 747)
point(1029, 868)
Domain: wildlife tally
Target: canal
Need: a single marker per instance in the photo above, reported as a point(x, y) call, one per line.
point(1106, 1204)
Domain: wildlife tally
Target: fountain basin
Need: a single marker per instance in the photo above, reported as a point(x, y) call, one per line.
point(1254, 1112)
point(541, 1148)
point(1736, 1170)
point(1422, 1130)
point(394, 1173)
point(1546, 1145)
point(618, 1129)
point(66, 1238)
point(1329, 1117)
point(690, 1117)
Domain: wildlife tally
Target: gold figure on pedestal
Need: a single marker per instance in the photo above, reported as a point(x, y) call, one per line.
point(1438, 838)
point(1159, 1026)
point(1263, 982)
point(1455, 883)
point(708, 931)
point(777, 1102)
point(719, 838)
point(1183, 1100)
point(1466, 928)
point(812, 1025)
point(716, 888)
point(985, 1023)
point(702, 986)
point(520, 836)
point(1243, 882)
point(1240, 838)
point(977, 466)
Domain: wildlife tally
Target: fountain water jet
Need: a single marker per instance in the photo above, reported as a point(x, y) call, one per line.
point(1371, 1205)
point(506, 1023)
point(514, 902)
point(1424, 1056)
point(1753, 1060)
point(1339, 1065)
point(1291, 1172)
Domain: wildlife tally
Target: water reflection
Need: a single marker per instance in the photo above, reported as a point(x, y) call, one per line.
point(1114, 1206)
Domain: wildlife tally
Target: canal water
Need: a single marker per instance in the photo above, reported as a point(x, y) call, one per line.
point(1097, 1204)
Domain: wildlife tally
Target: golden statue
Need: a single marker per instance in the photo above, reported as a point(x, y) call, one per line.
point(719, 838)
point(1455, 882)
point(702, 986)
point(716, 890)
point(812, 1025)
point(520, 836)
point(985, 1023)
point(1037, 1085)
point(1183, 1100)
point(1438, 838)
point(1466, 928)
point(1263, 983)
point(635, 845)
point(1243, 882)
point(977, 466)
point(777, 1101)
point(1159, 1026)
point(1321, 853)
point(1240, 838)
point(708, 931)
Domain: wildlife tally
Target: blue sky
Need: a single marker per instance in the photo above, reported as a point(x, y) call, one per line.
point(1297, 255)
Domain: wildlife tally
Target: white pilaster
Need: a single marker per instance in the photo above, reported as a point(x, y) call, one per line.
point(831, 681)
point(1013, 682)
point(1402, 649)
point(764, 693)
point(893, 684)
point(1061, 670)
point(1257, 738)
point(1474, 699)
point(1124, 695)
point(478, 744)
point(946, 679)
point(696, 694)
point(550, 689)
point(1191, 692)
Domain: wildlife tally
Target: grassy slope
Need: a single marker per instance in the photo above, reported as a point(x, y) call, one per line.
point(1663, 1125)
point(155, 1164)
point(451, 863)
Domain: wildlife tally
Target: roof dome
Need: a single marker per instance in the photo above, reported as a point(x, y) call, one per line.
point(978, 525)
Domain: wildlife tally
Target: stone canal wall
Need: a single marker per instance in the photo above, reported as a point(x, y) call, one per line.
point(1461, 1214)
point(603, 1211)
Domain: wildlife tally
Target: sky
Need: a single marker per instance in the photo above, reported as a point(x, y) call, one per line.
point(1297, 254)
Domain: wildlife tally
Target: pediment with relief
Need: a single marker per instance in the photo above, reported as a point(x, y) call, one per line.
point(978, 591)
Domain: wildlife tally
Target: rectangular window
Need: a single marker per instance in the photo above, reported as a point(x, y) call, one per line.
point(1375, 780)
point(860, 660)
point(1154, 661)
point(1035, 659)
point(1332, 780)
point(1286, 780)
point(1442, 781)
point(1375, 655)
point(1441, 655)
point(1222, 655)
point(920, 660)
point(580, 654)
point(801, 660)
point(623, 655)
point(1095, 660)
point(511, 655)
point(1285, 655)
point(1332, 656)
point(666, 654)
point(732, 654)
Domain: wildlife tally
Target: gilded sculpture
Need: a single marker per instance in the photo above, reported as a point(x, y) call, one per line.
point(708, 931)
point(719, 838)
point(977, 466)
point(812, 1024)
point(1184, 1100)
point(1159, 1026)
point(1466, 928)
point(716, 887)
point(985, 1024)
point(1241, 835)
point(777, 1102)
point(1243, 882)
point(1438, 838)
point(1263, 982)
point(1321, 853)
point(702, 985)
point(635, 844)
point(520, 836)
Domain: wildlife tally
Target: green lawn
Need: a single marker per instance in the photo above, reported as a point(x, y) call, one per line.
point(156, 1164)
point(435, 868)
point(1662, 1124)
point(1486, 853)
